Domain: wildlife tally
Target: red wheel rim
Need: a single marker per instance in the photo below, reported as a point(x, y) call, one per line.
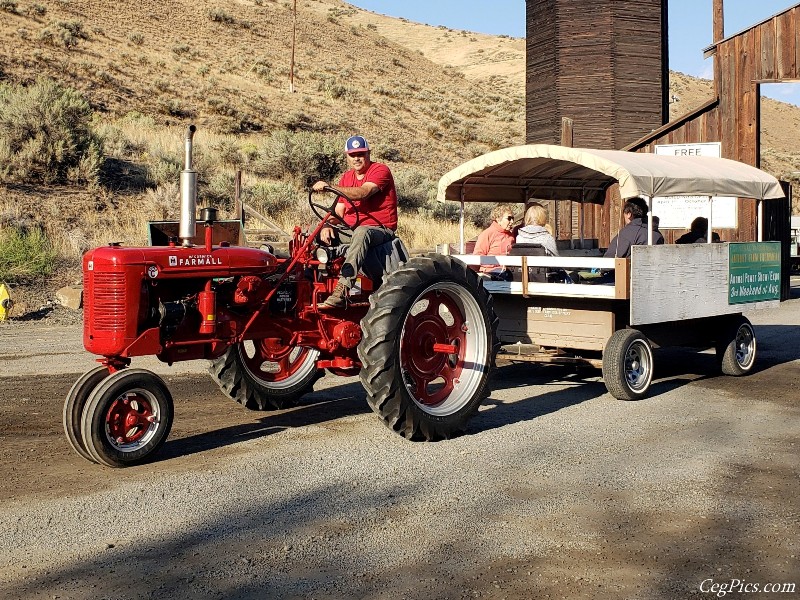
point(430, 373)
point(129, 419)
point(271, 361)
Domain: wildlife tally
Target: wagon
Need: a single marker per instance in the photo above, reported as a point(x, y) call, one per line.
point(690, 295)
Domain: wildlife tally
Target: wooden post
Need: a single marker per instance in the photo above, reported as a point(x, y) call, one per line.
point(718, 36)
point(563, 209)
point(566, 132)
point(237, 203)
point(294, 39)
point(237, 194)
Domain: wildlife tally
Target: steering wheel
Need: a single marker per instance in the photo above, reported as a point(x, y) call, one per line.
point(322, 211)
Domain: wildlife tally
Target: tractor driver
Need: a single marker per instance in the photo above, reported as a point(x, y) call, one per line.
point(370, 186)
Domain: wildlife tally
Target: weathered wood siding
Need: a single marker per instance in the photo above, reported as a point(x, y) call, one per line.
point(676, 283)
point(599, 62)
point(768, 52)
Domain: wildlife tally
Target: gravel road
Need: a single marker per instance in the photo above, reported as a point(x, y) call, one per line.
point(557, 490)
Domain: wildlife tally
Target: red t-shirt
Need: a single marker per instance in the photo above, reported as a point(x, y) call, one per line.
point(378, 209)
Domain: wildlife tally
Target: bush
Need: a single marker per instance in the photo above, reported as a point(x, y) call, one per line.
point(415, 189)
point(165, 168)
point(63, 33)
point(272, 199)
point(45, 135)
point(25, 256)
point(306, 156)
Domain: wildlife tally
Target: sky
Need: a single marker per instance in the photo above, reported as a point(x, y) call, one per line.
point(690, 26)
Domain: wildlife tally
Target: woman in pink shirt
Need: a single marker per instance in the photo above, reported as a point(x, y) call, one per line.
point(497, 238)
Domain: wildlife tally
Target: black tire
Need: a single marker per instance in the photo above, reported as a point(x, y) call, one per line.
point(628, 365)
point(127, 418)
point(266, 378)
point(736, 350)
point(73, 408)
point(433, 299)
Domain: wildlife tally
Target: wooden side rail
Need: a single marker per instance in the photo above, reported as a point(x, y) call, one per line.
point(619, 289)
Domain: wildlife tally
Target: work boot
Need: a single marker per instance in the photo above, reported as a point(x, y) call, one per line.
point(338, 298)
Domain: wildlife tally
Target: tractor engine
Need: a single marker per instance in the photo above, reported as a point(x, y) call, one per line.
point(136, 299)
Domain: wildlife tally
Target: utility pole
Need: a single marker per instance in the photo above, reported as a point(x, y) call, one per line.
point(294, 38)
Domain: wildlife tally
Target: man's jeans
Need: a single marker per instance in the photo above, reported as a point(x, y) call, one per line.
point(363, 238)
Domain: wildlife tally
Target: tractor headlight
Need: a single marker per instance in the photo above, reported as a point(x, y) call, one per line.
point(322, 256)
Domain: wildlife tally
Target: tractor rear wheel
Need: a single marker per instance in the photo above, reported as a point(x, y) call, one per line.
point(73, 408)
point(265, 375)
point(127, 418)
point(428, 348)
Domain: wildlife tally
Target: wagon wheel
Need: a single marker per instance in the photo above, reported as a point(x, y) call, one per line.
point(428, 348)
point(266, 374)
point(127, 418)
point(73, 408)
point(628, 365)
point(736, 350)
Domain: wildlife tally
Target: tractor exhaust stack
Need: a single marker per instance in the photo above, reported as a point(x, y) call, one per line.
point(188, 193)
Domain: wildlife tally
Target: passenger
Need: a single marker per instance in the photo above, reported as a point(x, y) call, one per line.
point(635, 231)
point(496, 240)
point(536, 230)
point(697, 232)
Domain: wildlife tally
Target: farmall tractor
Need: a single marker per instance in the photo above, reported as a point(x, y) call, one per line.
point(419, 332)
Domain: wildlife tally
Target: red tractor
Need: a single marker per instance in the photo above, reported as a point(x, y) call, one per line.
point(420, 332)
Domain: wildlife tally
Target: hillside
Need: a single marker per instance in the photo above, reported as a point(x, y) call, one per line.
point(225, 64)
point(427, 97)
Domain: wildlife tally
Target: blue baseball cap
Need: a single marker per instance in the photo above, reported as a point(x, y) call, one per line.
point(356, 143)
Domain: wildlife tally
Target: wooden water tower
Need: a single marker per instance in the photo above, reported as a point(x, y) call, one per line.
point(602, 63)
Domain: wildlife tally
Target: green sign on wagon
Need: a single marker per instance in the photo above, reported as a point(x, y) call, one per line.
point(754, 272)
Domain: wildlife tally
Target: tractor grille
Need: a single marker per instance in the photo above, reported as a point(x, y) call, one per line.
point(108, 302)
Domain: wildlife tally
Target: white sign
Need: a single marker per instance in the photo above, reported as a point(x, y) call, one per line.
point(678, 212)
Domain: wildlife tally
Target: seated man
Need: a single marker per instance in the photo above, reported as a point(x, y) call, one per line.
point(370, 186)
point(635, 231)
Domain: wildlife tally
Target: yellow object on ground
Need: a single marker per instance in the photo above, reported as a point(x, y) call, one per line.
point(5, 301)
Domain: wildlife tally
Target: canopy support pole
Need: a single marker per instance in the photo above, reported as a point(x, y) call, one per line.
point(649, 220)
point(760, 220)
point(709, 232)
point(461, 244)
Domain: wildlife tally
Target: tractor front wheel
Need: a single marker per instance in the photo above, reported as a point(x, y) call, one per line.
point(127, 418)
point(428, 348)
point(264, 374)
point(73, 408)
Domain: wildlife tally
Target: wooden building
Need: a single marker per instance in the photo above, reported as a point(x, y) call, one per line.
point(602, 63)
point(767, 52)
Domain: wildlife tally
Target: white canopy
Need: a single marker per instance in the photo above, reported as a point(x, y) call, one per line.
point(560, 173)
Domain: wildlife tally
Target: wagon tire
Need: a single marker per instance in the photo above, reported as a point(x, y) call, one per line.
point(628, 365)
point(736, 350)
point(127, 418)
point(420, 391)
point(241, 374)
point(73, 408)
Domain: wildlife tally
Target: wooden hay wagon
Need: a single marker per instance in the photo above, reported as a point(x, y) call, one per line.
point(667, 295)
